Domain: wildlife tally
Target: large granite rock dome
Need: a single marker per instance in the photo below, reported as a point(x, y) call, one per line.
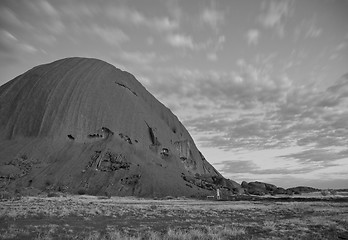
point(81, 124)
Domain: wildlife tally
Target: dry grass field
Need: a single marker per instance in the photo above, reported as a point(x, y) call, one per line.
point(90, 217)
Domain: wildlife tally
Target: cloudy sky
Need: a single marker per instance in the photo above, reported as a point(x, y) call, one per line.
point(262, 86)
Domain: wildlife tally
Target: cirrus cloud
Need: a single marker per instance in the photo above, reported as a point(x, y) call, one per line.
point(249, 109)
point(212, 17)
point(253, 36)
point(185, 42)
point(111, 35)
point(277, 12)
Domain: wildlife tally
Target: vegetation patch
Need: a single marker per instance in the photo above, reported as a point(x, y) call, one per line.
point(89, 217)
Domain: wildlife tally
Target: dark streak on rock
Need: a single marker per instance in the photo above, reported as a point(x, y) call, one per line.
point(124, 86)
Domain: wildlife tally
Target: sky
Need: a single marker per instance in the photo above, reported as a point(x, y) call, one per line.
point(262, 86)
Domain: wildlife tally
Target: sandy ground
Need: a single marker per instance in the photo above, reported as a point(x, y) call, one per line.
point(71, 216)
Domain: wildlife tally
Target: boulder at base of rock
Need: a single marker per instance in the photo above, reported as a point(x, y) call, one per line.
point(302, 189)
point(260, 188)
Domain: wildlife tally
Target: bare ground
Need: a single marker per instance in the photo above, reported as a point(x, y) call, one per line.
point(89, 217)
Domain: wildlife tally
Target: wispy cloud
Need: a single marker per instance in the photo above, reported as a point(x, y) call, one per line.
point(212, 54)
point(175, 10)
point(185, 42)
point(43, 7)
point(320, 157)
point(177, 40)
point(111, 35)
point(10, 18)
point(307, 29)
point(248, 85)
point(338, 51)
point(128, 15)
point(252, 108)
point(253, 36)
point(9, 44)
point(48, 18)
point(304, 118)
point(139, 57)
point(341, 46)
point(313, 32)
point(232, 167)
point(163, 24)
point(140, 60)
point(213, 17)
point(237, 166)
point(51, 17)
point(120, 13)
point(276, 15)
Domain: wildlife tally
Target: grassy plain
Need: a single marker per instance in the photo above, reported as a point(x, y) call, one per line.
point(90, 217)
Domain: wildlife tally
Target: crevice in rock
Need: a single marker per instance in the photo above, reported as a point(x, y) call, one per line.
point(124, 86)
point(71, 137)
point(125, 138)
point(103, 132)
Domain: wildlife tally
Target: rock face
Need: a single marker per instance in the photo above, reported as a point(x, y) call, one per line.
point(302, 189)
point(261, 188)
point(81, 124)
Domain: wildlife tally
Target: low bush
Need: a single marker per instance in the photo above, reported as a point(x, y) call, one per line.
point(9, 196)
point(81, 191)
point(4, 195)
point(204, 233)
point(52, 194)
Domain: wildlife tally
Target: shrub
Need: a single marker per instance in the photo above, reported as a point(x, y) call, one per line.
point(4, 195)
point(169, 198)
point(53, 194)
point(103, 197)
point(325, 192)
point(269, 225)
point(48, 182)
point(333, 192)
point(153, 207)
point(81, 191)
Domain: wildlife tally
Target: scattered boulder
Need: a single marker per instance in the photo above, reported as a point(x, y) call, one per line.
point(255, 188)
point(302, 189)
point(280, 190)
point(261, 188)
point(271, 188)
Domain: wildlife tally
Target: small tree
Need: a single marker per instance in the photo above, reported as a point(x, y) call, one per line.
point(324, 192)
